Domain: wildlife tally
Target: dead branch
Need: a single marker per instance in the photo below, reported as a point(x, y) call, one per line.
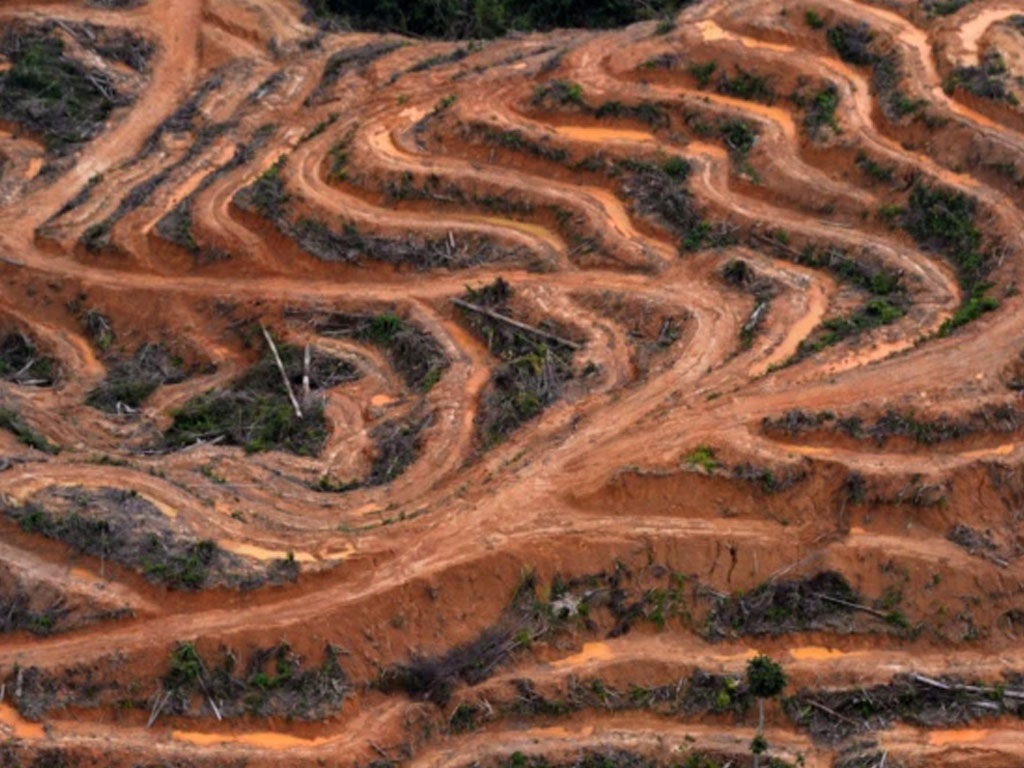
point(158, 704)
point(855, 606)
point(515, 323)
point(284, 374)
point(833, 713)
point(1007, 693)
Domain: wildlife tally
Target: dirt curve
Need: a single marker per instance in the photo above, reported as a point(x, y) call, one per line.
point(658, 459)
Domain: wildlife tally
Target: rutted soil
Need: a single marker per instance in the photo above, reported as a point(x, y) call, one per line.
point(377, 401)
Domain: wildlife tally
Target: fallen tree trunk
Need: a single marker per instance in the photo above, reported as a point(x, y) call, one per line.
point(284, 373)
point(515, 323)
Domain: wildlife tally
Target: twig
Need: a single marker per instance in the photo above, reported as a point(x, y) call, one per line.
point(832, 712)
point(284, 374)
point(515, 323)
point(158, 705)
point(380, 750)
point(855, 606)
point(200, 442)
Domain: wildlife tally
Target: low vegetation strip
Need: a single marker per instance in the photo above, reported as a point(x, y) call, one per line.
point(122, 527)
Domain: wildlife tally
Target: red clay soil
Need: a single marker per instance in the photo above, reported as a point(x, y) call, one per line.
point(653, 459)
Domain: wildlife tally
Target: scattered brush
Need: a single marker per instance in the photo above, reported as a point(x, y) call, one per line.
point(413, 352)
point(834, 715)
point(22, 363)
point(434, 678)
point(273, 683)
point(822, 602)
point(53, 96)
point(122, 527)
point(131, 380)
point(534, 363)
point(987, 81)
point(268, 197)
point(17, 613)
point(659, 193)
point(740, 274)
point(256, 412)
point(355, 59)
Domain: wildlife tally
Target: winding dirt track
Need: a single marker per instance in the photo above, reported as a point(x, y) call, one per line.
point(602, 476)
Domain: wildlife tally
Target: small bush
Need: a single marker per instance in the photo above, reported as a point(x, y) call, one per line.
point(852, 41)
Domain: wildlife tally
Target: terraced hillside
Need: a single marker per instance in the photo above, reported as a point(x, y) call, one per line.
point(387, 401)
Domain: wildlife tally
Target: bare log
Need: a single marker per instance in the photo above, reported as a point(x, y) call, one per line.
point(305, 374)
point(515, 323)
point(833, 713)
point(1007, 693)
point(855, 606)
point(284, 374)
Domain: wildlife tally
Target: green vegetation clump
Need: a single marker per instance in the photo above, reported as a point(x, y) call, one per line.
point(874, 314)
point(131, 380)
point(703, 456)
point(988, 81)
point(746, 85)
point(942, 220)
point(560, 94)
point(852, 41)
point(739, 136)
point(464, 19)
point(943, 7)
point(873, 169)
point(267, 195)
point(53, 96)
point(703, 72)
point(255, 411)
point(820, 110)
point(274, 682)
point(888, 302)
point(413, 352)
